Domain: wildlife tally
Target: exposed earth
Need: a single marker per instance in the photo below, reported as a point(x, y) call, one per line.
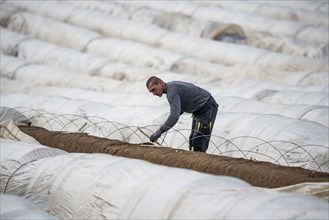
point(261, 174)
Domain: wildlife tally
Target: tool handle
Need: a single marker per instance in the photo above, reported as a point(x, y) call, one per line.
point(147, 135)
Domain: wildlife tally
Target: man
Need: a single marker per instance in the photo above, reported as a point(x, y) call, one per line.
point(186, 97)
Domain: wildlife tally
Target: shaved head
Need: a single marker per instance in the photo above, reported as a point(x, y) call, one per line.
point(156, 86)
point(154, 80)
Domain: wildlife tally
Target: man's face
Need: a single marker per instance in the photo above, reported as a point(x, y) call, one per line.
point(156, 89)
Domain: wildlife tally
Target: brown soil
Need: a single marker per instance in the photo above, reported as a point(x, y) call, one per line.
point(262, 174)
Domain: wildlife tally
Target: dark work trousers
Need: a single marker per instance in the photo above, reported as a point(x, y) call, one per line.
point(202, 124)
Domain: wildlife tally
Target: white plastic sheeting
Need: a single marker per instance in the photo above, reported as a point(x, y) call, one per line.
point(316, 113)
point(272, 127)
point(264, 40)
point(54, 104)
point(286, 45)
point(137, 54)
point(74, 109)
point(68, 35)
point(262, 137)
point(224, 53)
point(242, 88)
point(76, 94)
point(9, 41)
point(261, 32)
point(142, 56)
point(288, 97)
point(113, 49)
point(268, 41)
point(9, 119)
point(250, 21)
point(277, 11)
point(15, 207)
point(11, 114)
point(94, 186)
point(170, 21)
point(253, 86)
point(12, 68)
point(273, 138)
point(9, 130)
point(52, 55)
point(317, 6)
point(316, 133)
point(131, 51)
point(18, 155)
point(272, 95)
point(18, 69)
point(6, 12)
point(316, 189)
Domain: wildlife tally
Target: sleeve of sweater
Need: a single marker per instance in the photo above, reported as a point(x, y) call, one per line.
point(175, 112)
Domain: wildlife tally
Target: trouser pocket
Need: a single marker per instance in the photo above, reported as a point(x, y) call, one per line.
point(200, 135)
point(202, 125)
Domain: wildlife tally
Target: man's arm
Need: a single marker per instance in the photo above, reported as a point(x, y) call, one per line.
point(175, 112)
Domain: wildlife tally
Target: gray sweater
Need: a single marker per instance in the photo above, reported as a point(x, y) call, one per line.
point(183, 97)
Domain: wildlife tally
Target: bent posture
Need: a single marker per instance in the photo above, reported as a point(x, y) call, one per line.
point(186, 97)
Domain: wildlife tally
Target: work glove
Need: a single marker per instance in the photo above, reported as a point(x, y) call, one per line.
point(155, 136)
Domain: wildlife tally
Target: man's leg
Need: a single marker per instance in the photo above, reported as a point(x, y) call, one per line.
point(214, 110)
point(203, 129)
point(193, 133)
point(198, 139)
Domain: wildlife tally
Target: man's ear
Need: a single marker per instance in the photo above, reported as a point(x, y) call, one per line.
point(163, 87)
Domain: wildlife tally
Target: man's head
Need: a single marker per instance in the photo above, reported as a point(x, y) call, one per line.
point(156, 86)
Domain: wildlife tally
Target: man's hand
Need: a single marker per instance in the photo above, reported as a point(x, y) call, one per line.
point(155, 136)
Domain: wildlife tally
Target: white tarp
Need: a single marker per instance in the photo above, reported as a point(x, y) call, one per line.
point(262, 40)
point(89, 186)
point(113, 98)
point(286, 45)
point(273, 9)
point(316, 113)
point(317, 6)
point(171, 21)
point(18, 155)
point(316, 189)
point(294, 97)
point(249, 21)
point(9, 119)
point(272, 95)
point(119, 52)
point(88, 75)
point(273, 138)
point(10, 41)
point(70, 36)
point(19, 69)
point(15, 207)
point(215, 51)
